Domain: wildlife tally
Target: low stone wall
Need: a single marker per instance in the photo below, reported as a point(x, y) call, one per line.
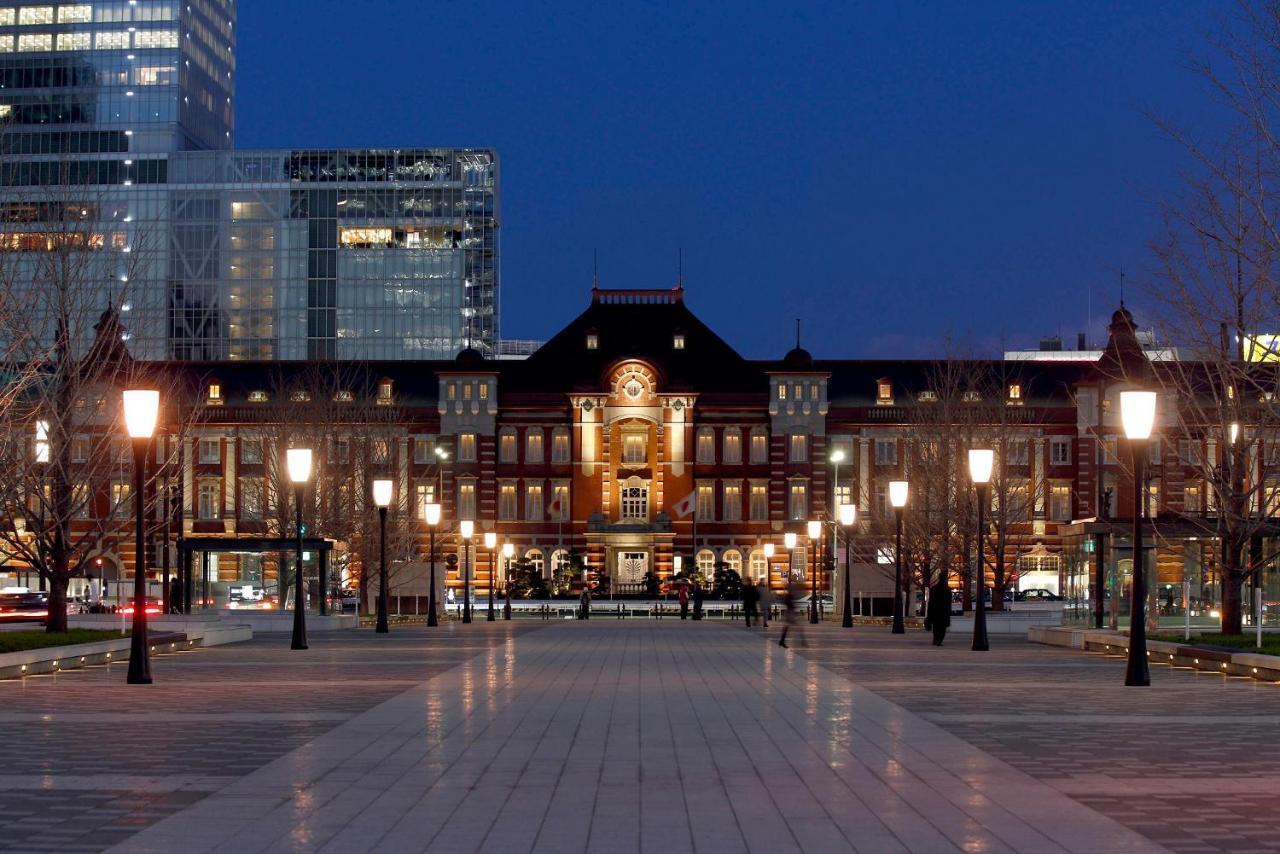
point(282, 621)
point(1225, 661)
point(54, 659)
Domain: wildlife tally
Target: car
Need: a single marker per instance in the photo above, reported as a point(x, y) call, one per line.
point(19, 607)
point(151, 606)
point(1037, 594)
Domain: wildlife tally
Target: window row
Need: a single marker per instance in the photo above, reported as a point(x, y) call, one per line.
point(530, 502)
point(733, 500)
point(534, 440)
point(731, 440)
point(123, 40)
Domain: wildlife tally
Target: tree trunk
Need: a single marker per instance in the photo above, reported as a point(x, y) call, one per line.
point(997, 588)
point(57, 621)
point(1232, 582)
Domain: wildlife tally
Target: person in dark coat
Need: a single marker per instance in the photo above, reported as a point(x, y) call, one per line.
point(697, 601)
point(790, 616)
point(765, 598)
point(584, 601)
point(938, 613)
point(750, 596)
point(684, 601)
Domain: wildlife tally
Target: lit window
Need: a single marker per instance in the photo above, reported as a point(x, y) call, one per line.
point(38, 42)
point(209, 502)
point(706, 502)
point(73, 41)
point(533, 511)
point(32, 15)
point(1060, 502)
point(466, 391)
point(81, 13)
point(706, 561)
point(733, 446)
point(559, 510)
point(466, 499)
point(759, 446)
point(507, 447)
point(706, 448)
point(732, 502)
point(215, 393)
point(635, 503)
point(299, 396)
point(635, 450)
point(782, 391)
point(424, 494)
point(258, 397)
point(759, 566)
point(451, 391)
point(210, 451)
point(533, 446)
point(6, 46)
point(384, 393)
point(560, 446)
point(467, 447)
point(799, 445)
point(799, 500)
point(884, 392)
point(759, 502)
point(1015, 392)
point(42, 441)
point(7, 18)
point(144, 39)
point(111, 41)
point(507, 502)
point(593, 341)
point(343, 397)
point(732, 560)
point(677, 341)
point(1191, 499)
point(484, 391)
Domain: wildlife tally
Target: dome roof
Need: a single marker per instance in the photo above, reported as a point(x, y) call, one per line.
point(470, 358)
point(798, 358)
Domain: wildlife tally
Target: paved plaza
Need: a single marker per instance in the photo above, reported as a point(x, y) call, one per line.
point(637, 736)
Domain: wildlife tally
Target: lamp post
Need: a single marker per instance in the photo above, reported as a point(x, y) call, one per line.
point(508, 552)
point(815, 534)
point(466, 529)
point(382, 498)
point(141, 410)
point(981, 462)
point(769, 550)
point(898, 498)
point(848, 516)
point(1138, 412)
point(432, 513)
point(836, 457)
point(491, 543)
point(299, 464)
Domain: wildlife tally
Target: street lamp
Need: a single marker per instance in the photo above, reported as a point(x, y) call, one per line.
point(981, 462)
point(508, 552)
point(898, 498)
point(382, 498)
point(836, 457)
point(298, 462)
point(1138, 412)
point(769, 550)
point(815, 533)
point(432, 514)
point(141, 410)
point(491, 543)
point(848, 516)
point(467, 529)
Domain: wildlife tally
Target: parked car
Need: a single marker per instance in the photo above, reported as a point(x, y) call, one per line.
point(1037, 594)
point(152, 606)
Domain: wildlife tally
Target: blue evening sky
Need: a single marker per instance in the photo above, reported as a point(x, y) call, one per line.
point(897, 174)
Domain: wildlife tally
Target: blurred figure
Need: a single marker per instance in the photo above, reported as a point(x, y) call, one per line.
point(937, 616)
point(789, 616)
point(750, 596)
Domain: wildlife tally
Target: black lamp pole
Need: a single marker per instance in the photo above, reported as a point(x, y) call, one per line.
point(493, 571)
point(813, 582)
point(432, 620)
point(980, 606)
point(1137, 671)
point(382, 628)
point(466, 580)
point(506, 588)
point(299, 616)
point(898, 627)
point(139, 648)
point(847, 621)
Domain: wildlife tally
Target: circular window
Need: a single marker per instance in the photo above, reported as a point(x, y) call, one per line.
point(633, 389)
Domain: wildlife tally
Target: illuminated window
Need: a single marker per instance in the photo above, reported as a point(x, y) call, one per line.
point(466, 447)
point(507, 447)
point(798, 504)
point(1060, 451)
point(706, 502)
point(635, 502)
point(533, 446)
point(483, 390)
point(451, 391)
point(32, 15)
point(251, 498)
point(215, 393)
point(155, 75)
point(299, 396)
point(706, 449)
point(732, 502)
point(1191, 499)
point(6, 46)
point(706, 562)
point(884, 391)
point(733, 445)
point(384, 393)
point(560, 502)
point(1060, 502)
point(210, 451)
point(81, 13)
point(635, 449)
point(73, 41)
point(759, 566)
point(759, 446)
point(536, 560)
point(759, 502)
point(111, 41)
point(42, 441)
point(144, 39)
point(467, 499)
point(343, 397)
point(798, 443)
point(209, 500)
point(507, 502)
point(423, 494)
point(533, 511)
point(677, 341)
point(1015, 392)
point(927, 396)
point(37, 42)
point(560, 446)
point(732, 560)
point(258, 397)
point(380, 451)
point(593, 341)
point(7, 18)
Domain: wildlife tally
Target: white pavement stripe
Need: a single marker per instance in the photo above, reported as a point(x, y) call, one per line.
point(637, 736)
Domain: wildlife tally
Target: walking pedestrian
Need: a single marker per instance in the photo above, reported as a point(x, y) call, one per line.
point(584, 604)
point(750, 596)
point(765, 598)
point(938, 613)
point(789, 616)
point(697, 601)
point(683, 596)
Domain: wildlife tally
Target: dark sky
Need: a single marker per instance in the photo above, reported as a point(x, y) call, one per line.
point(896, 174)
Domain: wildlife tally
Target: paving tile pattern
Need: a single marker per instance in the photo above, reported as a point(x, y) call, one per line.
point(89, 761)
point(1186, 762)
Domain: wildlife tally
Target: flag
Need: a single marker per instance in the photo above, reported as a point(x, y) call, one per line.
point(556, 508)
point(686, 505)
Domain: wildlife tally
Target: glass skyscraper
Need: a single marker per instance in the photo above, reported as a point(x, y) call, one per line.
point(119, 116)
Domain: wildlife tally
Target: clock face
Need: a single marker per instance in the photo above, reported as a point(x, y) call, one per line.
point(633, 389)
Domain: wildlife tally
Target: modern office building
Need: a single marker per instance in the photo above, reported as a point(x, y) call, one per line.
point(120, 125)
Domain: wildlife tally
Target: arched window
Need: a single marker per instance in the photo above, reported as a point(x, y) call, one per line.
point(535, 559)
point(706, 561)
point(733, 560)
point(759, 566)
point(559, 559)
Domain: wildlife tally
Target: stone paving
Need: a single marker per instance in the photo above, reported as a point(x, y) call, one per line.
point(637, 735)
point(89, 761)
point(1191, 762)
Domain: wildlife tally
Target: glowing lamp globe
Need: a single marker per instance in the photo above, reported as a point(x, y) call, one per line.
point(898, 493)
point(490, 540)
point(299, 464)
point(431, 513)
point(848, 514)
point(981, 463)
point(382, 493)
point(1138, 412)
point(141, 409)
